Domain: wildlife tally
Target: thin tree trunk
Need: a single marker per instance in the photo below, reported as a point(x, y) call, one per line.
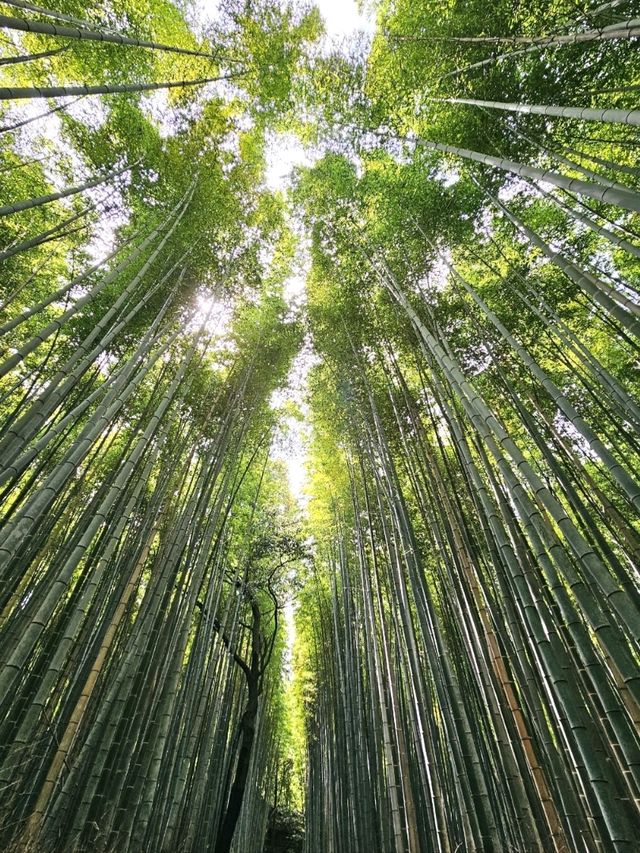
point(615, 116)
point(92, 35)
point(20, 93)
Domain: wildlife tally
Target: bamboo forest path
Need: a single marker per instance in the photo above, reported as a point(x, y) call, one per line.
point(319, 427)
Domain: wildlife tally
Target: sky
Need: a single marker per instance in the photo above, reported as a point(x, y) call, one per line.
point(283, 153)
point(342, 17)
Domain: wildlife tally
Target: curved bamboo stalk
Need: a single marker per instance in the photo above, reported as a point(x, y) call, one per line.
point(20, 93)
point(30, 203)
point(621, 29)
point(49, 13)
point(627, 199)
point(608, 298)
point(7, 128)
point(32, 57)
point(34, 342)
point(45, 236)
point(82, 34)
point(614, 116)
point(612, 465)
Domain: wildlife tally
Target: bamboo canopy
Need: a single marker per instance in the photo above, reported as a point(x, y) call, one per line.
point(319, 493)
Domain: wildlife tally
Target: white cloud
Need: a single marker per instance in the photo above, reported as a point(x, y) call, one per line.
point(343, 18)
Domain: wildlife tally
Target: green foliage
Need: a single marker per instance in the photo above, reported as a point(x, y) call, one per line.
point(471, 524)
point(285, 832)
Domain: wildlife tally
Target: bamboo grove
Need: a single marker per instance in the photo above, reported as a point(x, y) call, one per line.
point(462, 578)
